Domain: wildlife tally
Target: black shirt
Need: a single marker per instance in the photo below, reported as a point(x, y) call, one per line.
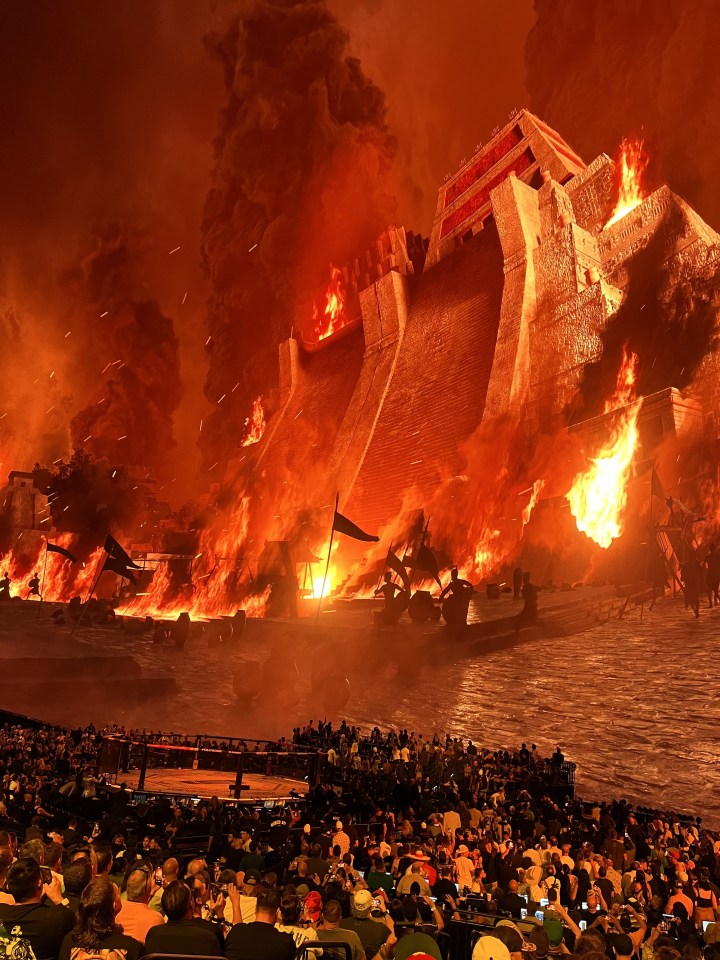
point(196, 937)
point(44, 926)
point(127, 946)
point(512, 903)
point(258, 941)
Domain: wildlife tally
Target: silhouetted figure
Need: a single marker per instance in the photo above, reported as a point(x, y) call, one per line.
point(33, 586)
point(517, 583)
point(528, 616)
point(394, 605)
point(458, 593)
point(180, 630)
point(5, 588)
point(691, 575)
point(712, 565)
point(657, 575)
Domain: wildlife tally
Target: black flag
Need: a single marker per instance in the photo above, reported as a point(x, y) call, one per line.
point(656, 488)
point(394, 562)
point(425, 560)
point(116, 551)
point(55, 548)
point(117, 566)
point(341, 524)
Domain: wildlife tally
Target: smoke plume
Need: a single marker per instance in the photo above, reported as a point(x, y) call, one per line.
point(609, 69)
point(303, 178)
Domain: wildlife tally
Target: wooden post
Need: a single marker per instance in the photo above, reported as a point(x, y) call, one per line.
point(42, 585)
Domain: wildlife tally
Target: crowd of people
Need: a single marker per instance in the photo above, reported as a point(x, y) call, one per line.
point(407, 846)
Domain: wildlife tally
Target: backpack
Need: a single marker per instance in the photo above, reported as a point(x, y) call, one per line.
point(14, 946)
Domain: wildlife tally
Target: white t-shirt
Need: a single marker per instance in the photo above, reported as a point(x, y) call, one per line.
point(299, 934)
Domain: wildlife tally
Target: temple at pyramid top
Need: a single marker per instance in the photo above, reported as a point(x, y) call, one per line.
point(524, 147)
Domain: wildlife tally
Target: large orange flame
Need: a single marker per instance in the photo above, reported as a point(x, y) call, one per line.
point(255, 424)
point(631, 164)
point(332, 317)
point(598, 495)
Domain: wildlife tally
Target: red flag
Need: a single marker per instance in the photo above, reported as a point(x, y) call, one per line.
point(341, 524)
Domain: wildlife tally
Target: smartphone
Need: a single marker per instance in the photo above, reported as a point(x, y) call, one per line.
point(540, 915)
point(523, 913)
point(158, 877)
point(583, 925)
point(46, 874)
point(524, 896)
point(706, 924)
point(376, 903)
point(583, 905)
point(544, 902)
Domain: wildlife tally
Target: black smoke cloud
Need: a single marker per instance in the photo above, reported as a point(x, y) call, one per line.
point(303, 178)
point(602, 70)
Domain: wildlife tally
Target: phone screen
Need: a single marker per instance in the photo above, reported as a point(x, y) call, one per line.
point(584, 905)
point(706, 924)
point(540, 915)
point(544, 902)
point(583, 924)
point(523, 913)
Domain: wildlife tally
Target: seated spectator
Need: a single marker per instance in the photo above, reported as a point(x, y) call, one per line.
point(96, 928)
point(259, 938)
point(511, 902)
point(373, 933)
point(291, 908)
point(43, 924)
point(415, 876)
point(330, 930)
point(183, 933)
point(6, 859)
point(76, 877)
point(136, 917)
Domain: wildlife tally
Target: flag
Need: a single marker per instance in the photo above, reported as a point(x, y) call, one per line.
point(115, 550)
point(55, 548)
point(656, 488)
point(394, 562)
point(341, 524)
point(425, 560)
point(117, 566)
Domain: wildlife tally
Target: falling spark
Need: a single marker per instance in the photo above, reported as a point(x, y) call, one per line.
point(185, 297)
point(51, 409)
point(87, 438)
point(113, 473)
point(252, 248)
point(235, 387)
point(123, 437)
point(105, 368)
point(174, 250)
point(104, 314)
point(67, 334)
point(208, 340)
point(52, 374)
point(212, 467)
point(222, 398)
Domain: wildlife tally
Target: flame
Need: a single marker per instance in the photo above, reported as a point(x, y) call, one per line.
point(598, 496)
point(317, 585)
point(220, 553)
point(631, 164)
point(536, 490)
point(63, 580)
point(333, 316)
point(254, 424)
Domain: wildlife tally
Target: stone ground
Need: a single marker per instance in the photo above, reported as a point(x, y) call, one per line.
point(632, 702)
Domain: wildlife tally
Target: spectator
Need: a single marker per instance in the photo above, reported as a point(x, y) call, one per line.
point(291, 908)
point(183, 933)
point(330, 930)
point(76, 876)
point(96, 928)
point(136, 917)
point(44, 925)
point(259, 938)
point(373, 933)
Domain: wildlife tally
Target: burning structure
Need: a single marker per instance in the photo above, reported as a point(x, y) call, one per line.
point(553, 337)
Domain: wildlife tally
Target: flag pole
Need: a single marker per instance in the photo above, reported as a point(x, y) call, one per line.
point(89, 596)
point(327, 565)
point(42, 585)
point(422, 544)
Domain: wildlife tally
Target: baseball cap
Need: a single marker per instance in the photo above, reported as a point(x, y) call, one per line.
point(362, 900)
point(313, 905)
point(420, 946)
point(252, 876)
point(489, 948)
point(514, 945)
point(554, 930)
point(338, 824)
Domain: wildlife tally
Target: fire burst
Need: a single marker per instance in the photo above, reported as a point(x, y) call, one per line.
point(598, 496)
point(255, 424)
point(333, 316)
point(631, 164)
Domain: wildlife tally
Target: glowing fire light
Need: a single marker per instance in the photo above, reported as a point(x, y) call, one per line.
point(255, 424)
point(317, 585)
point(333, 316)
point(632, 162)
point(598, 496)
